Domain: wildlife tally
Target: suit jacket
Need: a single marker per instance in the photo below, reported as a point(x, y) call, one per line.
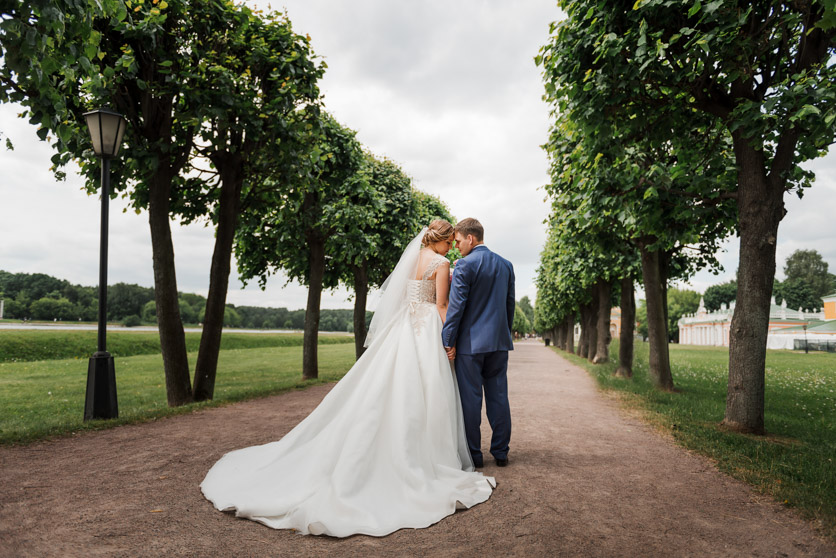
point(481, 309)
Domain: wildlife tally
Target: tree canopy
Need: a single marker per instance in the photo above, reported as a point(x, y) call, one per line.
point(744, 91)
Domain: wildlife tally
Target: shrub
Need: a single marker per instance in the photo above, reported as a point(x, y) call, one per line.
point(132, 321)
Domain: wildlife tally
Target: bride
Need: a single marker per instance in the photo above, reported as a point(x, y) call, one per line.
point(385, 449)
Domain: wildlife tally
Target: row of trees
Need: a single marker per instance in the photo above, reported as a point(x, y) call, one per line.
point(43, 297)
point(226, 126)
point(675, 125)
point(523, 317)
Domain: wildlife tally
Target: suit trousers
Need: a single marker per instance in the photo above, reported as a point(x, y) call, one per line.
point(488, 371)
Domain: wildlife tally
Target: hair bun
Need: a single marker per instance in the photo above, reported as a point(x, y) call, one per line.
point(438, 231)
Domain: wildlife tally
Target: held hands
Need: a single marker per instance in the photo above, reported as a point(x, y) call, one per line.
point(451, 352)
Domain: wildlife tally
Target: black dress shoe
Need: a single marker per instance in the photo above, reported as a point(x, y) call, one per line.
point(478, 464)
point(501, 462)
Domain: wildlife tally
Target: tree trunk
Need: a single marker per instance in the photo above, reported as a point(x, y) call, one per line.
point(232, 180)
point(178, 385)
point(570, 334)
point(626, 337)
point(602, 352)
point(316, 261)
point(361, 291)
point(564, 335)
point(583, 342)
point(592, 325)
point(760, 210)
point(657, 325)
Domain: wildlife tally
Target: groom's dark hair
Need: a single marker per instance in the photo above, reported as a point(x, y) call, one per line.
point(471, 226)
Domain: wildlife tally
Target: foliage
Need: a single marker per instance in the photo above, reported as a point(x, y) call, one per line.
point(44, 399)
point(22, 289)
point(54, 309)
point(127, 300)
point(717, 295)
point(32, 345)
point(798, 294)
point(47, 47)
point(132, 321)
point(377, 241)
point(255, 317)
point(426, 208)
point(808, 267)
point(528, 310)
point(641, 318)
point(521, 324)
point(793, 464)
point(680, 302)
point(304, 204)
point(747, 92)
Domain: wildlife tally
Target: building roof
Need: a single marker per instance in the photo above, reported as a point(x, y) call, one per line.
point(829, 298)
point(816, 326)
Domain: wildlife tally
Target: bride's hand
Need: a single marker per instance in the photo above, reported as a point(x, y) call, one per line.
point(451, 352)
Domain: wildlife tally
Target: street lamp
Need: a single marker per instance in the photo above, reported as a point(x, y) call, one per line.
point(106, 130)
point(804, 327)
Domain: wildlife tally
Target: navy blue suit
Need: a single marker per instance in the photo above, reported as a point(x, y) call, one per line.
point(479, 320)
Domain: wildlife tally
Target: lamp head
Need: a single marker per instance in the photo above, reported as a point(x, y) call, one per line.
point(106, 130)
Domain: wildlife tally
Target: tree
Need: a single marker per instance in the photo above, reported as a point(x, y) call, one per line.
point(137, 62)
point(807, 266)
point(173, 66)
point(149, 311)
point(680, 302)
point(126, 300)
point(255, 74)
point(528, 310)
point(289, 226)
point(371, 242)
point(798, 294)
point(626, 335)
point(54, 308)
point(521, 325)
point(717, 295)
point(641, 319)
point(46, 48)
point(761, 70)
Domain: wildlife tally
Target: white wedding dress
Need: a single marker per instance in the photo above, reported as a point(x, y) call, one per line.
point(384, 450)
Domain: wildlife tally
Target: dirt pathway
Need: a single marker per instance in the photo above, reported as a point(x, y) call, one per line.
point(584, 480)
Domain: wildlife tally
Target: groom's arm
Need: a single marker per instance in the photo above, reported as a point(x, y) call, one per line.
point(511, 303)
point(459, 291)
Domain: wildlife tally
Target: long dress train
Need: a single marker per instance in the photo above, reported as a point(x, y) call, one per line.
point(384, 450)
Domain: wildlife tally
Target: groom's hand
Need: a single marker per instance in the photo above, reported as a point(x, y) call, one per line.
point(451, 352)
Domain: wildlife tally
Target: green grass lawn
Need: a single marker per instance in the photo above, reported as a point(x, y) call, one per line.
point(30, 345)
point(46, 398)
point(794, 462)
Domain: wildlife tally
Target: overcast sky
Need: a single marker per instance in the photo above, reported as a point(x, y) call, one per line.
point(448, 90)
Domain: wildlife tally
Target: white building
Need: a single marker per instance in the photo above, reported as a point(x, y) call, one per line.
point(712, 328)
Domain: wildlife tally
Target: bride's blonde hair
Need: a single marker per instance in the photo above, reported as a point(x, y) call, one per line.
point(437, 231)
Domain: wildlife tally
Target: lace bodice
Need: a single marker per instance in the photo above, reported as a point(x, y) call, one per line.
point(423, 290)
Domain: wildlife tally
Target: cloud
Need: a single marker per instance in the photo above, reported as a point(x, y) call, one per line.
point(448, 90)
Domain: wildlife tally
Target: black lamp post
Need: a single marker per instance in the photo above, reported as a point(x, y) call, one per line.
point(804, 327)
point(106, 130)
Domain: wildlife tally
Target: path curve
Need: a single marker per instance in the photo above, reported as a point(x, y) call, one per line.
point(584, 479)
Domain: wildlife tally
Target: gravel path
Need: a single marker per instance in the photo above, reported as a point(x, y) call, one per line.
point(584, 479)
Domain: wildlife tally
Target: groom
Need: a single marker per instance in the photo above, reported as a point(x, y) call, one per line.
point(477, 334)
